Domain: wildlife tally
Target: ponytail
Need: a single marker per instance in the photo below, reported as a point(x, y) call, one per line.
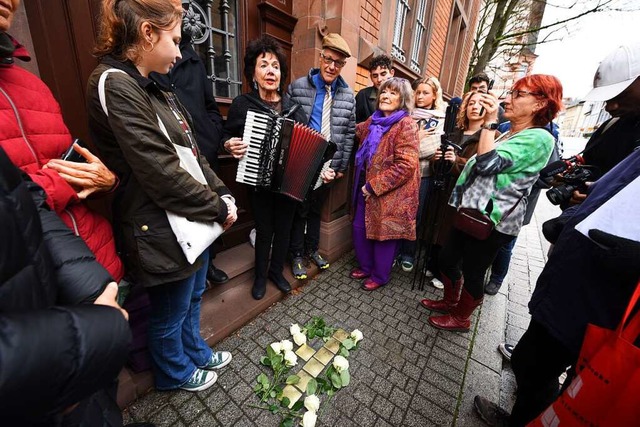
point(120, 20)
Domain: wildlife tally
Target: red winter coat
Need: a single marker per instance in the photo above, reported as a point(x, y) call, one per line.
point(32, 132)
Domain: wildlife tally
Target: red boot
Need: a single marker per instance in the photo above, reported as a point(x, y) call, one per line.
point(458, 320)
point(451, 296)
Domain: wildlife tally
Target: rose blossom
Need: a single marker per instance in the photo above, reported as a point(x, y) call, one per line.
point(340, 363)
point(286, 345)
point(356, 335)
point(276, 346)
point(290, 358)
point(309, 419)
point(312, 403)
point(300, 339)
point(295, 329)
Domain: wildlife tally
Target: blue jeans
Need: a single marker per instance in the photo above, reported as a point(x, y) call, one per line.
point(408, 247)
point(500, 265)
point(175, 343)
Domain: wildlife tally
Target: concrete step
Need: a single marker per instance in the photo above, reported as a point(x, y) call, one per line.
point(225, 309)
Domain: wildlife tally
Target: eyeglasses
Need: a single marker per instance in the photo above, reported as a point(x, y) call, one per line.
point(515, 93)
point(327, 60)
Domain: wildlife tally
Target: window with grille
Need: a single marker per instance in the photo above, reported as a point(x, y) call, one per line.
point(410, 33)
point(213, 25)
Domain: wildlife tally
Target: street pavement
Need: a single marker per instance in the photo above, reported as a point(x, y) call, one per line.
point(405, 373)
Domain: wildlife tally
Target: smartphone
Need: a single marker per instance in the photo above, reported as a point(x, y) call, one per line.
point(488, 89)
point(431, 123)
point(72, 155)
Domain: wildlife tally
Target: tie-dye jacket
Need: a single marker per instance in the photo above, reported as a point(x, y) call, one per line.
point(494, 181)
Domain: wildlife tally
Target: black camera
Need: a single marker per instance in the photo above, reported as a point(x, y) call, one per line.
point(549, 172)
point(573, 179)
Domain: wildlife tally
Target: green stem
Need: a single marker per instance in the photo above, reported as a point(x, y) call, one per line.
point(279, 410)
point(267, 394)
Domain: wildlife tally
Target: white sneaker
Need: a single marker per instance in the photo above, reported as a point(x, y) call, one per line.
point(437, 283)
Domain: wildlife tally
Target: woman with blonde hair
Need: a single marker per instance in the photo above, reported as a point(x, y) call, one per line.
point(385, 194)
point(146, 137)
point(429, 113)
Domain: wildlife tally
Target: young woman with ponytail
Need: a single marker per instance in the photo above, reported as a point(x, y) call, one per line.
point(140, 127)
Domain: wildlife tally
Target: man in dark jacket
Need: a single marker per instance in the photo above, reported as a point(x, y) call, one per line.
point(62, 335)
point(380, 70)
point(330, 105)
point(188, 79)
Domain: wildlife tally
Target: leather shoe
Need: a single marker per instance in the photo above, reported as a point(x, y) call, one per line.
point(358, 274)
point(371, 285)
point(280, 282)
point(216, 276)
point(259, 288)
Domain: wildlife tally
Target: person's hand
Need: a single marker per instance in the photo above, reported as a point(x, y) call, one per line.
point(450, 155)
point(232, 214)
point(490, 104)
point(236, 147)
point(620, 256)
point(328, 175)
point(423, 133)
point(108, 297)
point(578, 197)
point(339, 175)
point(438, 154)
point(365, 192)
point(86, 178)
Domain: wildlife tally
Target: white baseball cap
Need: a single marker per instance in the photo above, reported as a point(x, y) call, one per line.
point(616, 73)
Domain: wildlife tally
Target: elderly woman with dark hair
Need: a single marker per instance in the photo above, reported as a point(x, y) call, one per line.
point(266, 67)
point(495, 182)
point(387, 179)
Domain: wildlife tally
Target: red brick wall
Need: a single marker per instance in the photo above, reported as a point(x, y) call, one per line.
point(370, 12)
point(466, 55)
point(440, 26)
point(362, 78)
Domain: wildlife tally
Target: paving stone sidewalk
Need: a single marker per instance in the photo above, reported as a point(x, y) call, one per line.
point(405, 373)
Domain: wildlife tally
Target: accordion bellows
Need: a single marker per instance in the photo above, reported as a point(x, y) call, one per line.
point(282, 155)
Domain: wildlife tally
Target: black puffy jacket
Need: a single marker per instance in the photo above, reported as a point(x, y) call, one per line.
point(56, 347)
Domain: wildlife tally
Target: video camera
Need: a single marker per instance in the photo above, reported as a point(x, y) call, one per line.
point(573, 178)
point(445, 142)
point(549, 172)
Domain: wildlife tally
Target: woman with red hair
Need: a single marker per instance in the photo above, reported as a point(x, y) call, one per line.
point(495, 182)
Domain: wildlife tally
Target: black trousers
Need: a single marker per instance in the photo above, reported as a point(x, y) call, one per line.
point(463, 255)
point(537, 361)
point(308, 215)
point(273, 215)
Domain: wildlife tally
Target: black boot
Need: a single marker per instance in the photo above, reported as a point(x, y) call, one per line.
point(280, 281)
point(259, 288)
point(216, 276)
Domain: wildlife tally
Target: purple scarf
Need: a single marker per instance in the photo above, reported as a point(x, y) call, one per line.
point(377, 128)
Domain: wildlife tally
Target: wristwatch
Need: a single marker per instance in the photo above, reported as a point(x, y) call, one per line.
point(491, 126)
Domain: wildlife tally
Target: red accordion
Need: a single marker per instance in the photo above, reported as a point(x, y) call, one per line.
point(284, 156)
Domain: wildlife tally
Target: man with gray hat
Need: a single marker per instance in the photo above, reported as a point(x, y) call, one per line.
point(330, 104)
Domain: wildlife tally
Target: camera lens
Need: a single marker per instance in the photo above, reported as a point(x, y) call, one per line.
point(561, 193)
